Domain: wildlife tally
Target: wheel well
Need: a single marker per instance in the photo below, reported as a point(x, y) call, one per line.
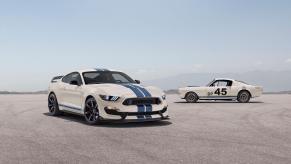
point(244, 90)
point(52, 93)
point(88, 97)
point(191, 92)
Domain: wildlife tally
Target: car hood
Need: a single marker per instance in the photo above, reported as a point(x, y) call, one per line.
point(125, 90)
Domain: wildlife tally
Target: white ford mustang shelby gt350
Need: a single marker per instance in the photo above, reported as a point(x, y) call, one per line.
point(105, 95)
point(221, 89)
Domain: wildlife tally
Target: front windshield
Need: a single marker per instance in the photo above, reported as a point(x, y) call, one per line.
point(100, 77)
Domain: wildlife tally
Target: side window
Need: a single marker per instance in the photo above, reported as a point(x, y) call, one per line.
point(215, 84)
point(72, 77)
point(76, 77)
point(221, 83)
point(229, 83)
point(67, 78)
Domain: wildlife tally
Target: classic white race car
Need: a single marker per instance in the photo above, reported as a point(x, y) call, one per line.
point(106, 95)
point(221, 89)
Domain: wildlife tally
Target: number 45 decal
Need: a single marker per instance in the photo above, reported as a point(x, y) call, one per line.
point(221, 91)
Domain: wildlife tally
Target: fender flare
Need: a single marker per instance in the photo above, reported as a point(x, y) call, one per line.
point(191, 92)
point(245, 90)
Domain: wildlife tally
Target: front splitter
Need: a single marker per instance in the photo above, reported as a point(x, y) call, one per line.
point(134, 120)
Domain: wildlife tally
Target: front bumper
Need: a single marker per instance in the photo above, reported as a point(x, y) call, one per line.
point(118, 111)
point(122, 116)
point(182, 93)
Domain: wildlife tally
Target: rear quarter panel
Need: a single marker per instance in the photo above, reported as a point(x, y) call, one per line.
point(255, 91)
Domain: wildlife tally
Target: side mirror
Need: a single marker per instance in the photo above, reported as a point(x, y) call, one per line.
point(137, 81)
point(74, 82)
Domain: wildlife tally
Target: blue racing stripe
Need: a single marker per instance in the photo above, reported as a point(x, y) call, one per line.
point(141, 108)
point(145, 92)
point(139, 94)
point(101, 69)
point(135, 90)
point(149, 108)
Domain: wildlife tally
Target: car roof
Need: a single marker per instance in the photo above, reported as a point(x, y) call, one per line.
point(94, 69)
point(224, 79)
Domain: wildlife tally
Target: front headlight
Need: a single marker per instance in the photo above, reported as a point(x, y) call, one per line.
point(164, 97)
point(109, 98)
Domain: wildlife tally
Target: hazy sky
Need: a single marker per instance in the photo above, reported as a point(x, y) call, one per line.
point(146, 38)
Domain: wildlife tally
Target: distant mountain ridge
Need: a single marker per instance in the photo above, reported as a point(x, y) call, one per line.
point(272, 81)
point(7, 92)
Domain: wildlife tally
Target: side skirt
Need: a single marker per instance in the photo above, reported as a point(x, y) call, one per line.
point(218, 98)
point(69, 109)
point(70, 112)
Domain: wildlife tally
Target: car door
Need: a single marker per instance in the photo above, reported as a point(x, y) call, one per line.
point(62, 88)
point(220, 89)
point(212, 90)
point(72, 92)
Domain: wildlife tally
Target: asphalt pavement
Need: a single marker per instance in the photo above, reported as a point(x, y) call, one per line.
point(206, 132)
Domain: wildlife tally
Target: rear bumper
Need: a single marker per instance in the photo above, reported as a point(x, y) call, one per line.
point(257, 94)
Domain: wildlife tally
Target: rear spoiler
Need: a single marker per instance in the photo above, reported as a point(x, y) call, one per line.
point(56, 79)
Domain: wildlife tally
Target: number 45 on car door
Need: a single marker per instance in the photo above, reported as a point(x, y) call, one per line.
point(221, 91)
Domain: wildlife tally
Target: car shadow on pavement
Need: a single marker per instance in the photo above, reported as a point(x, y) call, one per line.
point(219, 102)
point(80, 119)
point(135, 124)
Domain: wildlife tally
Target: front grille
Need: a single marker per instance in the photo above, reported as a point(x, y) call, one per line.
point(142, 101)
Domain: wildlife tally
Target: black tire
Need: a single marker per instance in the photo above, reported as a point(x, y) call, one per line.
point(244, 97)
point(191, 97)
point(91, 111)
point(53, 105)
